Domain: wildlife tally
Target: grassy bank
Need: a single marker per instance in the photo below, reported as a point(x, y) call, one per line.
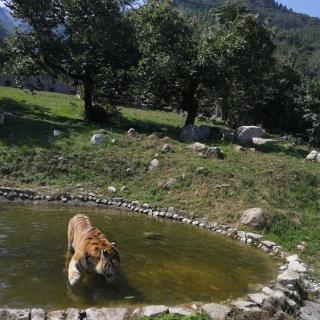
point(275, 178)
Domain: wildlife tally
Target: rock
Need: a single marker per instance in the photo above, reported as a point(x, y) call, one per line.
point(254, 236)
point(97, 138)
point(197, 147)
point(292, 258)
point(106, 314)
point(268, 244)
point(151, 311)
point(56, 315)
point(112, 189)
point(239, 148)
point(181, 311)
point(37, 314)
point(312, 156)
point(310, 311)
point(73, 314)
point(257, 298)
point(165, 148)
point(274, 300)
point(15, 314)
point(124, 188)
point(201, 170)
point(216, 311)
point(246, 133)
point(254, 217)
point(300, 247)
point(192, 133)
point(170, 183)
point(132, 133)
point(57, 133)
point(297, 266)
point(247, 306)
point(289, 277)
point(204, 132)
point(214, 152)
point(153, 164)
point(261, 141)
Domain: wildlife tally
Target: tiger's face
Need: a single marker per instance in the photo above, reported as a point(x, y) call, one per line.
point(108, 264)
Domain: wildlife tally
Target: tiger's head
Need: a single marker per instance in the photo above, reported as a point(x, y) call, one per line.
point(109, 263)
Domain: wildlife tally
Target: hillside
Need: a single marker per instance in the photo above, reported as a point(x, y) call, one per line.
point(31, 157)
point(298, 35)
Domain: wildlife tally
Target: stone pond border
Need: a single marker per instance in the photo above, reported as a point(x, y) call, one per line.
point(287, 292)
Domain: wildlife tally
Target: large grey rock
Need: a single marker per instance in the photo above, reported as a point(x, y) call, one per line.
point(170, 183)
point(254, 217)
point(181, 311)
point(214, 152)
point(165, 148)
point(189, 133)
point(132, 133)
point(97, 138)
point(204, 132)
point(154, 164)
point(216, 311)
point(197, 147)
point(310, 311)
point(38, 314)
point(14, 314)
point(56, 315)
point(246, 133)
point(106, 314)
point(312, 156)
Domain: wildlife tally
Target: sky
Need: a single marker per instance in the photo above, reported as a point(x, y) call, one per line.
point(310, 7)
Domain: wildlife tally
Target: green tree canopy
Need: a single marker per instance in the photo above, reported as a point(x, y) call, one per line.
point(77, 39)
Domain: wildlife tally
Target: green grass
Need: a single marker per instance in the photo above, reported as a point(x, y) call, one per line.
point(274, 178)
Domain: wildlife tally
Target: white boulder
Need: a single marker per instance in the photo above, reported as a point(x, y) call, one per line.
point(245, 134)
point(97, 138)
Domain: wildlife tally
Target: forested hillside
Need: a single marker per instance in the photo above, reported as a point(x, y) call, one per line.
point(297, 35)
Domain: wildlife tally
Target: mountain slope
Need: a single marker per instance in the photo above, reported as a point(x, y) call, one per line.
point(298, 35)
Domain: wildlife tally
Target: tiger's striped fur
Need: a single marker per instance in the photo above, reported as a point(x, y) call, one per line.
point(93, 253)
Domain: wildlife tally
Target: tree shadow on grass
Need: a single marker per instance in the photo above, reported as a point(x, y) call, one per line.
point(31, 125)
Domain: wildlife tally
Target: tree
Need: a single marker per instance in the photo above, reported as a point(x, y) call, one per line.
point(76, 39)
point(240, 49)
point(168, 56)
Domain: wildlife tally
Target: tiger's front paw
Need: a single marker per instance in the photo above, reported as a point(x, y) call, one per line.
point(74, 278)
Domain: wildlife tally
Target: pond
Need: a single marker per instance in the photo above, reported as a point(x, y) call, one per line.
point(162, 262)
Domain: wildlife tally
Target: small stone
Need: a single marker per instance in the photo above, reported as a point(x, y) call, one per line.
point(214, 153)
point(312, 155)
point(57, 133)
point(112, 189)
point(300, 247)
point(246, 305)
point(216, 311)
point(289, 277)
point(197, 147)
point(310, 311)
point(113, 141)
point(195, 223)
point(72, 314)
point(257, 298)
point(106, 314)
point(297, 266)
point(268, 244)
point(292, 258)
point(170, 183)
point(153, 164)
point(124, 188)
point(132, 133)
point(165, 148)
point(97, 138)
point(15, 314)
point(181, 311)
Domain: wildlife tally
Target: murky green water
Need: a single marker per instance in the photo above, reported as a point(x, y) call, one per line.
point(180, 265)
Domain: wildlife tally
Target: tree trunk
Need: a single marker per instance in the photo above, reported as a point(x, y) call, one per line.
point(190, 102)
point(88, 105)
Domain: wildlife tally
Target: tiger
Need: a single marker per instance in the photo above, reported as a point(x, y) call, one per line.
point(93, 253)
